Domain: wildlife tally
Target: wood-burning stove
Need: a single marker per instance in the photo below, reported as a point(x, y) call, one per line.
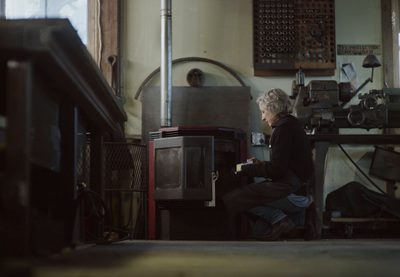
point(181, 163)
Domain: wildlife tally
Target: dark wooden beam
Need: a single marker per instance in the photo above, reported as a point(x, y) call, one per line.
point(104, 25)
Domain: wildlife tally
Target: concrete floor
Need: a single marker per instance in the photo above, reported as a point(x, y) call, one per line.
point(333, 257)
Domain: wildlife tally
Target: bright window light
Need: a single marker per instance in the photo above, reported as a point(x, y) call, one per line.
point(75, 10)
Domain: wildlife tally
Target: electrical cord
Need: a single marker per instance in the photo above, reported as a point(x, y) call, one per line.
point(362, 172)
point(95, 212)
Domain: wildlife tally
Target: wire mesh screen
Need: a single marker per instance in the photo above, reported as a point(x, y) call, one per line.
point(126, 187)
point(125, 166)
point(83, 163)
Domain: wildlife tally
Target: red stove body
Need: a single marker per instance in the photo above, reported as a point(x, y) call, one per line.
point(181, 163)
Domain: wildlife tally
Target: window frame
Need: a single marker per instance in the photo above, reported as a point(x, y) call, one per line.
point(104, 40)
point(390, 42)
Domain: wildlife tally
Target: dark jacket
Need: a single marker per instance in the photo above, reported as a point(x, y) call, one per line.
point(290, 149)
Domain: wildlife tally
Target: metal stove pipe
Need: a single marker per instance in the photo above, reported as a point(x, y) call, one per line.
point(166, 63)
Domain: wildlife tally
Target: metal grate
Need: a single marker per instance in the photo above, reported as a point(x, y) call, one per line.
point(83, 163)
point(125, 185)
point(125, 167)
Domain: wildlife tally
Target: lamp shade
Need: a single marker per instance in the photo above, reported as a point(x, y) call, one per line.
point(371, 61)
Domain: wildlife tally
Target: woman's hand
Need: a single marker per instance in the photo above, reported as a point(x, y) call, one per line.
point(254, 160)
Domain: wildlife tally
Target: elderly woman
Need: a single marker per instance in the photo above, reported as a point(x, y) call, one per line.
point(289, 167)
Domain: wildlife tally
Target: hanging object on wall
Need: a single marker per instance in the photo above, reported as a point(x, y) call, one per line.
point(195, 77)
point(293, 34)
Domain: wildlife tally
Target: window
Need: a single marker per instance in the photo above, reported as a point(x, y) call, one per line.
point(75, 10)
point(96, 21)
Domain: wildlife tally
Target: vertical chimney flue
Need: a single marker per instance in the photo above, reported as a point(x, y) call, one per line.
point(166, 63)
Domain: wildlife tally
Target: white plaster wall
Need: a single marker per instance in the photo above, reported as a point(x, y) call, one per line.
point(222, 30)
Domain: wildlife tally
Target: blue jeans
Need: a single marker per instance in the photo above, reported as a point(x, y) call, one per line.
point(274, 211)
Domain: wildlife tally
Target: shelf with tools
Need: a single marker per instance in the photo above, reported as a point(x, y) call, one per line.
point(292, 34)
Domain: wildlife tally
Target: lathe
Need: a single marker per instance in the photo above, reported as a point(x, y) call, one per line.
point(326, 104)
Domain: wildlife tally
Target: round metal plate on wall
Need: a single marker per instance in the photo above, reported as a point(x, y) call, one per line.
point(195, 77)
